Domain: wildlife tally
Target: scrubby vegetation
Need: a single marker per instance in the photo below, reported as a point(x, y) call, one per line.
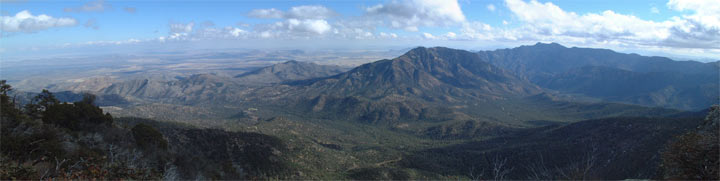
point(695, 155)
point(47, 139)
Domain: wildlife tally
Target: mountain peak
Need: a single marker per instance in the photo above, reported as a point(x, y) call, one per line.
point(291, 62)
point(288, 71)
point(428, 72)
point(419, 49)
point(549, 45)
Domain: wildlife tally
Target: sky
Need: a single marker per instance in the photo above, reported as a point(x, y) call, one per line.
point(675, 28)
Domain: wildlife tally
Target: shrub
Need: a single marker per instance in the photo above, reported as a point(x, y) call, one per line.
point(148, 138)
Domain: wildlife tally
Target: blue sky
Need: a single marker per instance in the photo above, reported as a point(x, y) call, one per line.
point(688, 28)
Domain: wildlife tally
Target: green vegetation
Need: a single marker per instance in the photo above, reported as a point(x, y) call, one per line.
point(433, 113)
point(47, 139)
point(695, 155)
point(148, 137)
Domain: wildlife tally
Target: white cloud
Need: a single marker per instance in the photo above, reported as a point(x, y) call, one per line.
point(655, 10)
point(203, 31)
point(428, 36)
point(702, 7)
point(316, 26)
point(266, 13)
point(547, 19)
point(491, 7)
point(388, 35)
point(451, 35)
point(24, 21)
point(121, 42)
point(297, 12)
point(236, 32)
point(478, 31)
point(294, 28)
point(92, 6)
point(266, 34)
point(411, 14)
point(698, 28)
point(701, 29)
point(309, 12)
point(446, 36)
point(349, 30)
point(181, 27)
point(228, 32)
point(297, 22)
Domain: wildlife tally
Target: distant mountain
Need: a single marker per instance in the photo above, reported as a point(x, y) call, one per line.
point(187, 90)
point(542, 59)
point(426, 73)
point(432, 85)
point(288, 71)
point(666, 89)
point(410, 87)
point(437, 84)
point(612, 76)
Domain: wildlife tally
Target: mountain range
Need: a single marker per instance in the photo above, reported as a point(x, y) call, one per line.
point(613, 76)
point(448, 84)
point(543, 111)
point(288, 71)
point(443, 74)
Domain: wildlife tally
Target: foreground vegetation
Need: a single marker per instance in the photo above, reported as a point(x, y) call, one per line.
point(47, 138)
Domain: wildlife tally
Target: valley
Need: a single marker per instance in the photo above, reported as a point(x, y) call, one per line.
point(431, 113)
point(360, 90)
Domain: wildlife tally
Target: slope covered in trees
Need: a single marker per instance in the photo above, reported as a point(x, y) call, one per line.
point(612, 76)
point(47, 139)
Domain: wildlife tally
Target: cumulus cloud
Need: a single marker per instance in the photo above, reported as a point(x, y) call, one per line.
point(24, 21)
point(102, 43)
point(236, 32)
point(701, 29)
point(451, 35)
point(491, 7)
point(411, 14)
point(266, 13)
point(181, 27)
point(547, 19)
point(446, 36)
point(476, 31)
point(321, 22)
point(388, 35)
point(297, 22)
point(309, 12)
point(702, 7)
point(428, 36)
point(313, 25)
point(297, 12)
point(294, 28)
point(92, 6)
point(317, 26)
point(220, 33)
point(202, 31)
point(698, 28)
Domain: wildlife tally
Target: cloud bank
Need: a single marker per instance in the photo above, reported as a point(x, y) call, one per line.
point(26, 22)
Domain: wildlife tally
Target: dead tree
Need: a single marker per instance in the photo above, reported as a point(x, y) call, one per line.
point(500, 168)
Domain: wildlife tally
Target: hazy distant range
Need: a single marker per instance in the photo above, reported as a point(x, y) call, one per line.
point(56, 72)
